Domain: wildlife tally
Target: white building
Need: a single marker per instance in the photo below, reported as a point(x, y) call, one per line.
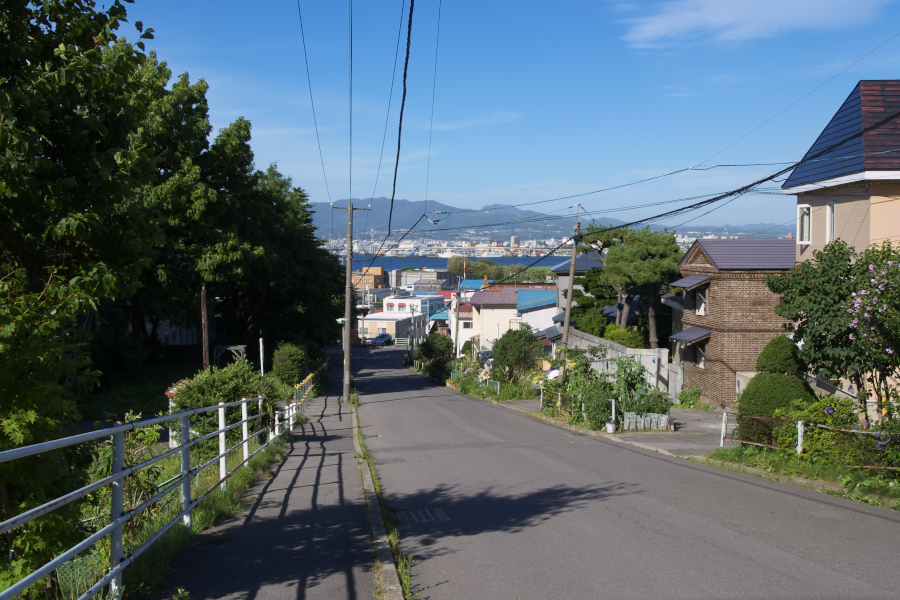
point(465, 330)
point(426, 305)
point(398, 325)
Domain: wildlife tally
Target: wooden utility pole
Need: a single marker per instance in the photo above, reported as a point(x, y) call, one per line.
point(576, 239)
point(348, 297)
point(204, 326)
point(456, 324)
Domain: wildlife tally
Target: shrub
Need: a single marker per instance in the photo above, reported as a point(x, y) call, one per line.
point(435, 346)
point(289, 363)
point(766, 393)
point(596, 411)
point(779, 356)
point(228, 384)
point(689, 397)
point(517, 351)
point(825, 445)
point(466, 348)
point(630, 339)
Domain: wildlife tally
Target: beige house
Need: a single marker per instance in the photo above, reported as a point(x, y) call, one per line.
point(853, 191)
point(493, 314)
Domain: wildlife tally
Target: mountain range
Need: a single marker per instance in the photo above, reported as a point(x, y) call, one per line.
point(492, 222)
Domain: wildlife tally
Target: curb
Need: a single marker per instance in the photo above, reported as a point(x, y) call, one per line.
point(390, 580)
point(798, 481)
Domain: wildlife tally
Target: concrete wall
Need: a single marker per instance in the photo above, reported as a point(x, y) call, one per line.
point(655, 361)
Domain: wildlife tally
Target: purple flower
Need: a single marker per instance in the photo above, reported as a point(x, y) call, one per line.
point(829, 410)
point(853, 294)
point(866, 423)
point(890, 263)
point(889, 351)
point(871, 267)
point(877, 436)
point(852, 338)
point(856, 426)
point(872, 281)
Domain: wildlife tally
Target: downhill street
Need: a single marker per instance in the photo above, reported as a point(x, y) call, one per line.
point(538, 512)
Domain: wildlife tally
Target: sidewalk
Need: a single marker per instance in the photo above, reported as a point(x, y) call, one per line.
point(305, 532)
point(696, 432)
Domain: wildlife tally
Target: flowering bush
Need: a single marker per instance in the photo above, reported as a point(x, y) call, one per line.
point(873, 312)
point(826, 445)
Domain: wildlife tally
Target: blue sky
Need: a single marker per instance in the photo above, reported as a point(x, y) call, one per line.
point(534, 100)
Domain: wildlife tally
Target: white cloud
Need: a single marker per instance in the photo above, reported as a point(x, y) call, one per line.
point(493, 119)
point(740, 20)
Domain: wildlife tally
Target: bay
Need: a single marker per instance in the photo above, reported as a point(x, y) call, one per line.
point(389, 263)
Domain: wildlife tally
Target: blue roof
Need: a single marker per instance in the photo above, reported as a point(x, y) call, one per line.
point(441, 315)
point(474, 284)
point(531, 299)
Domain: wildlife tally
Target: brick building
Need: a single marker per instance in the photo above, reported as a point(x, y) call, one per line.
point(728, 310)
point(370, 277)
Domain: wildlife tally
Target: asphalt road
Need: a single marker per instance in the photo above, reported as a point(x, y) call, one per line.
point(536, 512)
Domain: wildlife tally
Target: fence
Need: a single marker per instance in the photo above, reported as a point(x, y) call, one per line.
point(761, 431)
point(116, 480)
point(401, 342)
point(655, 361)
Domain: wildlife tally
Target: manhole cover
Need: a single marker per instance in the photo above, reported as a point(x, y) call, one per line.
point(426, 515)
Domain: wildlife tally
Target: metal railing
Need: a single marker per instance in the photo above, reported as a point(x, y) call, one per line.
point(401, 342)
point(116, 480)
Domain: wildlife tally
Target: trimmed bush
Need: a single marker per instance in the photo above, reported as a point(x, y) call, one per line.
point(467, 348)
point(288, 363)
point(779, 356)
point(767, 392)
point(626, 337)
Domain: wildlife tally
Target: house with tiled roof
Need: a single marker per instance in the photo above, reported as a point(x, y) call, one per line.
point(583, 264)
point(728, 312)
point(462, 330)
point(852, 192)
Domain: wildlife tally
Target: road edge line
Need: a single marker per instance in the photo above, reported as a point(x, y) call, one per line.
point(390, 579)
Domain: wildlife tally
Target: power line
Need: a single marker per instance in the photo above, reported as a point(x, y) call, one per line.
point(412, 4)
point(313, 104)
point(351, 101)
point(433, 88)
point(388, 115)
point(788, 107)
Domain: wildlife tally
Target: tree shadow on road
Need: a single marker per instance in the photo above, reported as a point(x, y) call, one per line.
point(490, 510)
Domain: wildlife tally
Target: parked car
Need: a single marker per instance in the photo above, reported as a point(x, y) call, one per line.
point(384, 337)
point(484, 357)
point(376, 341)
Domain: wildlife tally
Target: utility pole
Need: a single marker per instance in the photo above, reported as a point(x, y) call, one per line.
point(576, 239)
point(456, 324)
point(348, 296)
point(204, 326)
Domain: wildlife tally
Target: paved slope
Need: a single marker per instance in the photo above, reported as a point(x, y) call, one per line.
point(537, 512)
point(305, 534)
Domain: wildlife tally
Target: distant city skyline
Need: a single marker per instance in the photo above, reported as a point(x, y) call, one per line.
point(538, 102)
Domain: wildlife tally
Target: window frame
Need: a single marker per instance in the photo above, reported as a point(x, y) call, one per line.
point(701, 360)
point(829, 222)
point(701, 301)
point(800, 209)
point(467, 324)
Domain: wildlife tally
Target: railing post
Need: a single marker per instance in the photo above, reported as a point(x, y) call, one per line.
point(277, 422)
point(801, 428)
point(542, 400)
point(186, 470)
point(223, 468)
point(724, 423)
point(118, 500)
point(245, 429)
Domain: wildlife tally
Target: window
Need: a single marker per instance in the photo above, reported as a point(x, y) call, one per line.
point(382, 330)
point(701, 301)
point(467, 325)
point(700, 354)
point(829, 222)
point(804, 223)
point(401, 307)
point(390, 307)
point(365, 331)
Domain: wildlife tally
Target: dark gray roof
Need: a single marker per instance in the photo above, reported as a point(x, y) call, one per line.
point(561, 318)
point(749, 254)
point(583, 264)
point(690, 282)
point(691, 335)
point(867, 104)
point(551, 333)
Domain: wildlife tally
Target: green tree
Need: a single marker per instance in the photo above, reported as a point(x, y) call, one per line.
point(517, 352)
point(435, 347)
point(814, 295)
point(71, 233)
point(636, 262)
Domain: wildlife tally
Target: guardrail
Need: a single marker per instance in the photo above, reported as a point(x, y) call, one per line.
point(118, 515)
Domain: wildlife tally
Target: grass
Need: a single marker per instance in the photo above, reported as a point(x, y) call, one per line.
point(863, 485)
point(143, 393)
point(404, 563)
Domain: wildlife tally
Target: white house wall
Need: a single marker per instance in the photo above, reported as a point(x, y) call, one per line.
point(491, 322)
point(540, 319)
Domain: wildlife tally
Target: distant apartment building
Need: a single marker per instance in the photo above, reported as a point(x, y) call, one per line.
point(371, 277)
point(397, 325)
point(426, 305)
